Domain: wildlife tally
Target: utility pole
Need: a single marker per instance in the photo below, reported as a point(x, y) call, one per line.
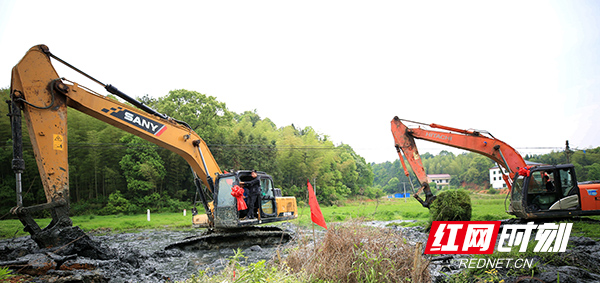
point(568, 152)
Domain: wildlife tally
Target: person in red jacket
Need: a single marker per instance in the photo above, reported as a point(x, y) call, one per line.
point(238, 193)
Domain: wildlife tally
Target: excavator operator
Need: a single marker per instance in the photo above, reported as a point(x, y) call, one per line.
point(253, 187)
point(548, 182)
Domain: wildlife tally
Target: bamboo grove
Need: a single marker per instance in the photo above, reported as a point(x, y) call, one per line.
point(111, 171)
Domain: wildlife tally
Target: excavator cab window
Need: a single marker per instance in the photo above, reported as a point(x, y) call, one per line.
point(517, 190)
point(516, 198)
point(266, 187)
point(535, 183)
point(551, 189)
point(267, 198)
point(567, 191)
point(541, 193)
point(566, 182)
point(224, 195)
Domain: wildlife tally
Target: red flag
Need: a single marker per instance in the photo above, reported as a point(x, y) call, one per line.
point(315, 210)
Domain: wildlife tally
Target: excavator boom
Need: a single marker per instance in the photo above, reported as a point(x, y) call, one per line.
point(404, 137)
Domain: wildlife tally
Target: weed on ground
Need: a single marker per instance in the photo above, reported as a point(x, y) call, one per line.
point(351, 252)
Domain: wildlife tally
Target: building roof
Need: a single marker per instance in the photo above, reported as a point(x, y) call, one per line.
point(438, 176)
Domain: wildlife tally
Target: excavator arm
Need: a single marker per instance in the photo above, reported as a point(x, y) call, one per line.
point(43, 97)
point(404, 137)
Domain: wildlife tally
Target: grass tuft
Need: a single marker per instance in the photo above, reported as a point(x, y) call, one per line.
point(451, 205)
point(351, 252)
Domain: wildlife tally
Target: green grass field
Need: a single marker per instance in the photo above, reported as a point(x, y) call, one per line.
point(485, 207)
point(108, 223)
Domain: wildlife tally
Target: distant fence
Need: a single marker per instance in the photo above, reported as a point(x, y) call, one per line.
point(399, 195)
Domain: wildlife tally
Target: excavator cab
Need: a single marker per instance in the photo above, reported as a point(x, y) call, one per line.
point(273, 207)
point(551, 192)
point(229, 227)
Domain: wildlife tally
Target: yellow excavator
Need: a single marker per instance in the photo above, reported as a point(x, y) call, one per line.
point(42, 97)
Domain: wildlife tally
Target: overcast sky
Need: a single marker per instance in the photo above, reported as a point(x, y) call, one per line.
point(526, 71)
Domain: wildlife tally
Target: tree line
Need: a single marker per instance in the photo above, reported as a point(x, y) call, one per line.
point(471, 170)
point(111, 171)
point(467, 169)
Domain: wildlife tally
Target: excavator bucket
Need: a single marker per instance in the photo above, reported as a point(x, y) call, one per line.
point(429, 198)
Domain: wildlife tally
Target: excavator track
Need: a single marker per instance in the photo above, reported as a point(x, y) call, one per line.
point(233, 238)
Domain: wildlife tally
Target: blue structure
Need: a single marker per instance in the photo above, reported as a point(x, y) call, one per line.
point(399, 195)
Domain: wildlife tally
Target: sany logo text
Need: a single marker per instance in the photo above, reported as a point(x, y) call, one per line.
point(136, 120)
point(140, 121)
point(479, 237)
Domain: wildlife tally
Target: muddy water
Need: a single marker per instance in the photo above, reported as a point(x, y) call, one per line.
point(136, 257)
point(144, 251)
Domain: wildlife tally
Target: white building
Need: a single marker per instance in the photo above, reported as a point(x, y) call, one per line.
point(496, 179)
point(440, 180)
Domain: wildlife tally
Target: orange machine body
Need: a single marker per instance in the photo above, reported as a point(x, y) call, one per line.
point(533, 193)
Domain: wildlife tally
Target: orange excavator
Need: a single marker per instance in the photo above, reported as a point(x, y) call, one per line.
point(42, 96)
point(541, 191)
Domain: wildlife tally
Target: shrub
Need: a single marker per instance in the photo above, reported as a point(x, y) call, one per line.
point(133, 209)
point(173, 205)
point(451, 205)
point(86, 207)
point(149, 201)
point(116, 204)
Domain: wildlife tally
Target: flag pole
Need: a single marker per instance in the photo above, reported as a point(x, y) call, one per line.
point(314, 237)
point(315, 211)
point(313, 224)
